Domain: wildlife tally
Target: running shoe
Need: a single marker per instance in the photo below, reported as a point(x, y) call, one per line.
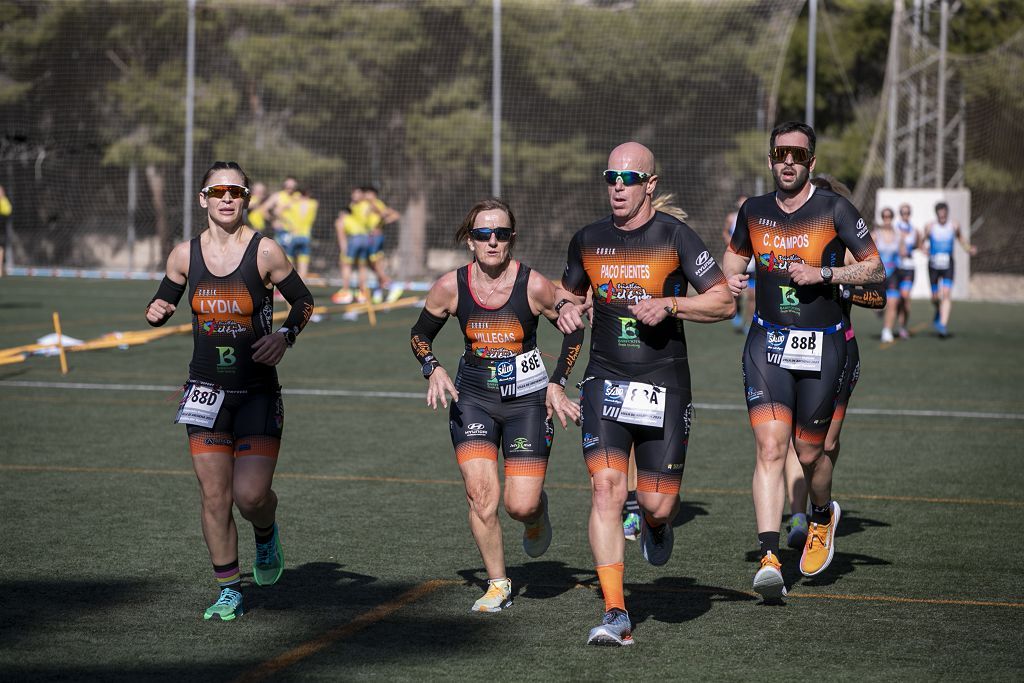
point(269, 561)
point(342, 296)
point(904, 333)
point(655, 542)
point(887, 336)
point(497, 597)
point(537, 534)
point(394, 294)
point(796, 534)
point(768, 581)
point(227, 607)
point(941, 329)
point(820, 545)
point(378, 296)
point(615, 629)
point(631, 526)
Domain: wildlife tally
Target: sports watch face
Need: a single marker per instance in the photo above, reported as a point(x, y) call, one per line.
point(428, 368)
point(826, 274)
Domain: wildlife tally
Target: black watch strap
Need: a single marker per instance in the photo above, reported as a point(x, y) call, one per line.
point(558, 306)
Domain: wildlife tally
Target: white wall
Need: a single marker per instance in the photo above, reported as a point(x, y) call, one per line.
point(922, 206)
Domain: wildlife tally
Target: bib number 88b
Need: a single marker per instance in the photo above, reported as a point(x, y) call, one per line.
point(805, 343)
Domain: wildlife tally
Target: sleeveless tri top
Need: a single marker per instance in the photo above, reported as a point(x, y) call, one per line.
point(492, 333)
point(229, 313)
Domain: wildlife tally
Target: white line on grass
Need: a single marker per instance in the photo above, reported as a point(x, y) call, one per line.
point(353, 393)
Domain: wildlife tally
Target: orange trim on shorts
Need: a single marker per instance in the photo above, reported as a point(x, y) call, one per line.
point(814, 434)
point(839, 413)
point(766, 412)
point(598, 459)
point(478, 448)
point(267, 446)
point(658, 482)
point(211, 442)
point(610, 577)
point(525, 466)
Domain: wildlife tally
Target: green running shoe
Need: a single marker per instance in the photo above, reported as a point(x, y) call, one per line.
point(269, 561)
point(227, 607)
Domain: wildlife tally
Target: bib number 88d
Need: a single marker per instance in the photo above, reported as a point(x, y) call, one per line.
point(207, 398)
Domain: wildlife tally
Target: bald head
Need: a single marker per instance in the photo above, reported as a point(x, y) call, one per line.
point(631, 156)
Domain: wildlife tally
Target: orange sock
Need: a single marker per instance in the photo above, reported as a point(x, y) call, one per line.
point(610, 576)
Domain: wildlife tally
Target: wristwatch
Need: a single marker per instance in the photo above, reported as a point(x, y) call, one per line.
point(826, 274)
point(429, 367)
point(289, 335)
point(558, 306)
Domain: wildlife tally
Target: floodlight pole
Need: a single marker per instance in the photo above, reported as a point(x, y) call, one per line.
point(190, 106)
point(496, 102)
point(812, 49)
point(940, 126)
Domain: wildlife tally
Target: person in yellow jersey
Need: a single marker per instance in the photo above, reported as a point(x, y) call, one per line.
point(277, 205)
point(353, 233)
point(298, 218)
point(255, 215)
point(379, 214)
point(5, 210)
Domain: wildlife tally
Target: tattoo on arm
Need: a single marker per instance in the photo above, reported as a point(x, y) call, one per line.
point(862, 273)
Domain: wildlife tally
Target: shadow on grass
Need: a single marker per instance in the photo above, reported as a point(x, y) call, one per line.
point(33, 605)
point(675, 600)
point(850, 523)
point(688, 511)
point(313, 585)
point(842, 565)
point(540, 580)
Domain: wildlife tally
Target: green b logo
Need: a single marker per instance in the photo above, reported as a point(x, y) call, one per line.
point(789, 296)
point(227, 356)
point(628, 328)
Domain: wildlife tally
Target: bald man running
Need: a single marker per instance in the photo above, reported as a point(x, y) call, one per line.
point(638, 264)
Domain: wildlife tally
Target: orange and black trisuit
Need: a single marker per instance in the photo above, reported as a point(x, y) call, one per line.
point(498, 402)
point(229, 313)
point(636, 390)
point(795, 355)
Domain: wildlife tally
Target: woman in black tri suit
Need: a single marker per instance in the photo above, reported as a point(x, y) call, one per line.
point(232, 405)
point(502, 393)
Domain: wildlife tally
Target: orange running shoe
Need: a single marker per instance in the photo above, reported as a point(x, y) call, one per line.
point(820, 545)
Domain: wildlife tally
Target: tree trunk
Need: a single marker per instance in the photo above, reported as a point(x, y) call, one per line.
point(412, 234)
point(155, 178)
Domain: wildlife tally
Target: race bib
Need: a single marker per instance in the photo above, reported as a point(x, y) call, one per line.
point(200, 405)
point(940, 261)
point(521, 375)
point(795, 349)
point(634, 402)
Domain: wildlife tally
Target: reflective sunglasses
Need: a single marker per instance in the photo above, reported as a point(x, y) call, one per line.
point(218, 191)
point(801, 155)
point(484, 234)
point(628, 178)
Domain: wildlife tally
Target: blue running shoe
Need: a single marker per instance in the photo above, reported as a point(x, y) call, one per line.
point(631, 526)
point(227, 607)
point(796, 535)
point(269, 563)
point(615, 629)
point(656, 542)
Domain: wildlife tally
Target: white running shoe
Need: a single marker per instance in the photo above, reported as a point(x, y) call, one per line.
point(497, 597)
point(887, 336)
point(768, 581)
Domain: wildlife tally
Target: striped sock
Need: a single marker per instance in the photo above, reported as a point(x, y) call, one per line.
point(228, 575)
point(610, 576)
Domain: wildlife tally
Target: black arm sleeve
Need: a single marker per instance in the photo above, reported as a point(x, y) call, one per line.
point(867, 296)
point(295, 292)
point(571, 345)
point(423, 334)
point(171, 292)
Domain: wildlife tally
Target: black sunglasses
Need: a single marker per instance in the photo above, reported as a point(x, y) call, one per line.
point(484, 234)
point(801, 155)
point(628, 178)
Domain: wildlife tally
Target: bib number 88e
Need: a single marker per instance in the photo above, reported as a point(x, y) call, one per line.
point(529, 362)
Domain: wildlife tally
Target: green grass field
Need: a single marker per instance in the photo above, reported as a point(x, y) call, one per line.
point(105, 574)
